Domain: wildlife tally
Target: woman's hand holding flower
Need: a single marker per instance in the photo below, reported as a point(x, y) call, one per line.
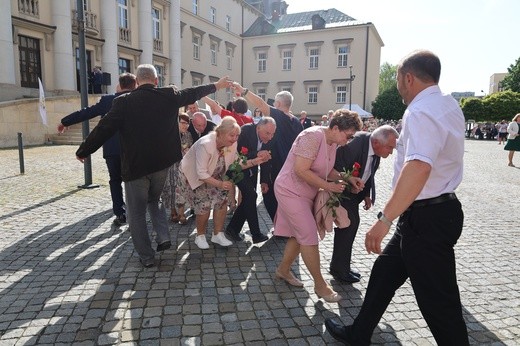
point(356, 184)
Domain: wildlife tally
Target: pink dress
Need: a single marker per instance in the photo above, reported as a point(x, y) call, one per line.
point(295, 216)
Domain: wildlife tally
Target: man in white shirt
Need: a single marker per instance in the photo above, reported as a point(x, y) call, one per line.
point(427, 170)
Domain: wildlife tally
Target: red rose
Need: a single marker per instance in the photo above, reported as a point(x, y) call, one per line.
point(244, 151)
point(355, 173)
point(356, 166)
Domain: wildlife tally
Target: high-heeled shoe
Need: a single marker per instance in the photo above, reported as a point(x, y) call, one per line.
point(293, 281)
point(334, 297)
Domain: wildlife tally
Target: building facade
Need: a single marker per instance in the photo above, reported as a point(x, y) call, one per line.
point(315, 55)
point(495, 82)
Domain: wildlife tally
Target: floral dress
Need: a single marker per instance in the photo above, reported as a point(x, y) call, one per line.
point(205, 197)
point(169, 194)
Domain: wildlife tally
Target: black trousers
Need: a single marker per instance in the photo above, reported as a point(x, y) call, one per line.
point(246, 211)
point(115, 182)
point(344, 239)
point(422, 250)
point(270, 202)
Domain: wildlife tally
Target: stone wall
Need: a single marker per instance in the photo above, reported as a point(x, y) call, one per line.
point(24, 116)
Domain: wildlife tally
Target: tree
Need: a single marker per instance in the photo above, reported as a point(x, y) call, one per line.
point(387, 76)
point(512, 79)
point(494, 107)
point(389, 105)
point(473, 108)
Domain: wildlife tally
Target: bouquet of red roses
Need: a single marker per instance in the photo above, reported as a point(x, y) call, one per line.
point(234, 172)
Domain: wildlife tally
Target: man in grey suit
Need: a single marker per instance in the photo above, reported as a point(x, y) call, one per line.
point(366, 149)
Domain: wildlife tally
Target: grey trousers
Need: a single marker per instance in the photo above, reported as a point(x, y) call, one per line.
point(142, 194)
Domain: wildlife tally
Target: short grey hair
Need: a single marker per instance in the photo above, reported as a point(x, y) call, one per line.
point(382, 134)
point(285, 98)
point(146, 73)
point(266, 120)
point(199, 115)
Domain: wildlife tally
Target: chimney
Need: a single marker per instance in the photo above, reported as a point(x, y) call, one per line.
point(275, 16)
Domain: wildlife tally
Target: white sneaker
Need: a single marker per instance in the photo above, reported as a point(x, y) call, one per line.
point(221, 239)
point(201, 242)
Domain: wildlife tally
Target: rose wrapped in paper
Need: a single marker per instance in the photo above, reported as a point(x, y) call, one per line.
point(234, 172)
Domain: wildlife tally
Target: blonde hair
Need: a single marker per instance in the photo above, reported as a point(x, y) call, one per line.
point(227, 125)
point(516, 117)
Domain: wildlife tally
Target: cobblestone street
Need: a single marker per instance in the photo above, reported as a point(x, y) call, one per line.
point(68, 276)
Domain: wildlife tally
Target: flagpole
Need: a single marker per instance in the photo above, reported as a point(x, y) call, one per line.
point(84, 89)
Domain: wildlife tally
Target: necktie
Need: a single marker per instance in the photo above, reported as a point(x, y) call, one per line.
point(375, 161)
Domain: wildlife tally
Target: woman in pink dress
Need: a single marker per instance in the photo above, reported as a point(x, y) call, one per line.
point(308, 168)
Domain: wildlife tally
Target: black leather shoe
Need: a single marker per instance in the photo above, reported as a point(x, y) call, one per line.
point(337, 330)
point(233, 236)
point(120, 220)
point(346, 278)
point(147, 263)
point(355, 273)
point(164, 246)
point(260, 238)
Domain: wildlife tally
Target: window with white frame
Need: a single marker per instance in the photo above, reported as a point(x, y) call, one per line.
point(196, 81)
point(287, 88)
point(156, 23)
point(343, 55)
point(86, 5)
point(312, 91)
point(228, 23)
point(341, 94)
point(314, 55)
point(122, 6)
point(213, 49)
point(160, 75)
point(229, 94)
point(196, 47)
point(287, 60)
point(213, 15)
point(229, 57)
point(195, 6)
point(261, 92)
point(262, 61)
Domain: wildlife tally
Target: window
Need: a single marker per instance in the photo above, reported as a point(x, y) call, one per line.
point(341, 94)
point(262, 62)
point(156, 23)
point(229, 56)
point(228, 23)
point(313, 94)
point(196, 47)
point(213, 15)
point(196, 81)
point(86, 5)
point(287, 88)
point(30, 63)
point(124, 65)
point(314, 58)
point(342, 56)
point(287, 60)
point(229, 94)
point(261, 92)
point(160, 75)
point(213, 49)
point(195, 6)
point(122, 6)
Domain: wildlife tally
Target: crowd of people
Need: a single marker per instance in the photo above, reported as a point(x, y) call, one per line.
point(176, 157)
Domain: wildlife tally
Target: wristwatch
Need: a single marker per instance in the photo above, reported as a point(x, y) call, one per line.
point(381, 217)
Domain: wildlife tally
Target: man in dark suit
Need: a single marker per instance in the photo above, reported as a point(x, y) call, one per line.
point(256, 139)
point(147, 120)
point(111, 148)
point(366, 149)
point(306, 122)
point(200, 126)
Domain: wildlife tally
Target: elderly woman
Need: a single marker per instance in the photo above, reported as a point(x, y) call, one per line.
point(308, 168)
point(513, 140)
point(171, 199)
point(203, 181)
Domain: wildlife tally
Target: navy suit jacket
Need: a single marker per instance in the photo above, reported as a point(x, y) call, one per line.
point(355, 151)
point(111, 147)
point(306, 123)
point(249, 139)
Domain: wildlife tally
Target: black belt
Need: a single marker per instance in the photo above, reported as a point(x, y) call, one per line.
point(435, 200)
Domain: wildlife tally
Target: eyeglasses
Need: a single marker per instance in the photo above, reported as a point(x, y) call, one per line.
point(184, 122)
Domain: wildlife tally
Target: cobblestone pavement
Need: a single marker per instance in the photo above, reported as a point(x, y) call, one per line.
point(67, 276)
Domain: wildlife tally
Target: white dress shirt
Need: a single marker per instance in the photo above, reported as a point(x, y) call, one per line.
point(433, 132)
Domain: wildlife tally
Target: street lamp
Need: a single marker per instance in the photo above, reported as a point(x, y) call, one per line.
point(352, 76)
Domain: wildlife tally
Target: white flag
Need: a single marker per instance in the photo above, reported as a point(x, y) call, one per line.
point(43, 110)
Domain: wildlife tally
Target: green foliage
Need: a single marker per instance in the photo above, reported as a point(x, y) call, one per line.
point(494, 107)
point(512, 80)
point(388, 105)
point(387, 76)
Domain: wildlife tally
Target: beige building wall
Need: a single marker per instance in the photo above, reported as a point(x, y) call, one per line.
point(495, 82)
point(364, 60)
